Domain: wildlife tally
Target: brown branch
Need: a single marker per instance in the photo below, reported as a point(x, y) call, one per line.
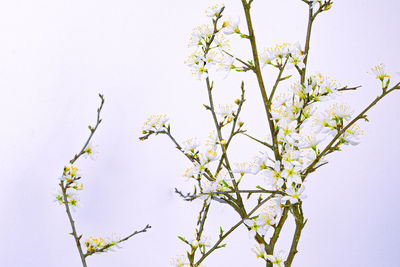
point(246, 7)
point(218, 128)
point(201, 221)
point(307, 44)
point(348, 88)
point(246, 191)
point(92, 130)
point(72, 223)
point(108, 246)
point(277, 231)
point(300, 223)
point(64, 188)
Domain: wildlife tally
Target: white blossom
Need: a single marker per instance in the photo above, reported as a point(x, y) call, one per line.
point(231, 25)
point(190, 146)
point(294, 194)
point(214, 10)
point(278, 259)
point(155, 124)
point(379, 72)
point(179, 261)
point(91, 151)
point(259, 250)
point(243, 168)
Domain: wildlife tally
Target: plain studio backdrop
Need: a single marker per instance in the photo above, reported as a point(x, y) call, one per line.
point(55, 56)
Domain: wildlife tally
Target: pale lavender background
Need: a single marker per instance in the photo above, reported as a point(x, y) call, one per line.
point(55, 56)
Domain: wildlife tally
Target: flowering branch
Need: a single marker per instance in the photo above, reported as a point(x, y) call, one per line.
point(361, 115)
point(298, 133)
point(70, 181)
point(92, 131)
point(233, 132)
point(115, 243)
point(64, 187)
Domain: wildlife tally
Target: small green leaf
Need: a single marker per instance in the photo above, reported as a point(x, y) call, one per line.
point(285, 78)
point(183, 239)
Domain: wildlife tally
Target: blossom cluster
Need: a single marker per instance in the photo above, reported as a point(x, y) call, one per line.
point(203, 156)
point(94, 245)
point(267, 217)
point(210, 47)
point(304, 122)
point(277, 55)
point(70, 179)
point(155, 124)
point(277, 260)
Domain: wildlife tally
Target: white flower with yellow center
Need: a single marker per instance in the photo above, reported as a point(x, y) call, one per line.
point(212, 140)
point(292, 175)
point(200, 35)
point(242, 168)
point(155, 124)
point(278, 259)
point(273, 176)
point(259, 250)
point(214, 10)
point(70, 173)
point(91, 151)
point(226, 112)
point(231, 25)
point(274, 55)
point(294, 194)
point(190, 146)
point(297, 60)
point(179, 261)
point(352, 135)
point(379, 72)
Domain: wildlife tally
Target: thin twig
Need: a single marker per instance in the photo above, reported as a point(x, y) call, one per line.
point(246, 7)
point(259, 141)
point(344, 129)
point(65, 187)
point(233, 132)
point(278, 79)
point(348, 88)
point(250, 67)
point(105, 248)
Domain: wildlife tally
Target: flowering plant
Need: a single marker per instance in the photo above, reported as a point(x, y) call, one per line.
point(304, 123)
point(68, 197)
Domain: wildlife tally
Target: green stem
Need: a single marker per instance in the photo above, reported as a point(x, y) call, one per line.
point(246, 7)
